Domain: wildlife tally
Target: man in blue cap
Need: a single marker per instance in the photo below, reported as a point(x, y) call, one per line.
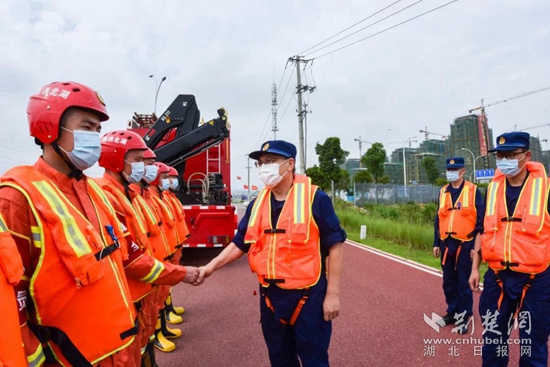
point(458, 222)
point(288, 231)
point(516, 246)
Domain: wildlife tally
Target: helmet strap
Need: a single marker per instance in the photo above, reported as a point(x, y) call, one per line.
point(126, 184)
point(75, 172)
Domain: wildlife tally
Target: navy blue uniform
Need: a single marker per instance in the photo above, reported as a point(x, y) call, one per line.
point(535, 312)
point(309, 338)
point(456, 272)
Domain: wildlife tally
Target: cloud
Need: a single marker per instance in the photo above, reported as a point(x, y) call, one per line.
point(424, 73)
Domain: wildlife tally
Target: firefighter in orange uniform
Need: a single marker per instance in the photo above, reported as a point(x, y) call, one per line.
point(164, 243)
point(71, 243)
point(182, 232)
point(288, 232)
point(11, 271)
point(122, 157)
point(458, 222)
point(516, 246)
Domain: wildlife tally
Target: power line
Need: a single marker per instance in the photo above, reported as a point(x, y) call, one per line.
point(370, 25)
point(387, 29)
point(348, 28)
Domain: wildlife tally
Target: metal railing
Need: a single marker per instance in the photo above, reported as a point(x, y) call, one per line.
point(368, 193)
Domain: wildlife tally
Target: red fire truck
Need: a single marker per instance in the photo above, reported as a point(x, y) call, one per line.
point(200, 151)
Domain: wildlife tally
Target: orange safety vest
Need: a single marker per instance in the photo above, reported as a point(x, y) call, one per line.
point(288, 254)
point(179, 216)
point(458, 220)
point(80, 295)
point(153, 220)
point(136, 226)
point(168, 221)
point(11, 271)
point(521, 241)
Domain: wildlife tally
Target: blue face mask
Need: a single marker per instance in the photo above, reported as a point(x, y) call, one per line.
point(453, 176)
point(164, 184)
point(87, 148)
point(151, 173)
point(174, 184)
point(509, 167)
point(138, 169)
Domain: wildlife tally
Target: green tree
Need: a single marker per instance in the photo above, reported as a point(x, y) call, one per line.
point(441, 181)
point(318, 178)
point(344, 182)
point(362, 176)
point(432, 172)
point(331, 156)
point(384, 179)
point(374, 160)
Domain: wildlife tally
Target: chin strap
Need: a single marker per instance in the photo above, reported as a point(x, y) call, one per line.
point(126, 184)
point(75, 172)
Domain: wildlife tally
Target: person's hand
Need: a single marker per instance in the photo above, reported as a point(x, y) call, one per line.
point(474, 280)
point(331, 307)
point(191, 275)
point(436, 251)
point(204, 272)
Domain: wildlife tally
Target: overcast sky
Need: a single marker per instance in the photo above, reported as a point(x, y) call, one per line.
point(228, 53)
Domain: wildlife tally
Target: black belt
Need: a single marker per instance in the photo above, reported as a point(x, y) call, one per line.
point(106, 251)
point(510, 219)
point(273, 281)
point(274, 230)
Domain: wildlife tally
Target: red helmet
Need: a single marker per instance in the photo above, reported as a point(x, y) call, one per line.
point(163, 168)
point(173, 171)
point(115, 145)
point(45, 109)
point(149, 154)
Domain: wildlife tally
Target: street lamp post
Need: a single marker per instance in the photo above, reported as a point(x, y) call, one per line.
point(157, 89)
point(474, 160)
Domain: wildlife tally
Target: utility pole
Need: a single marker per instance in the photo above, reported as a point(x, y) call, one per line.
point(274, 127)
point(248, 168)
point(299, 90)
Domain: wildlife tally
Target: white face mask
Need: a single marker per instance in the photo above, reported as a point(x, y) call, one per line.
point(151, 173)
point(509, 167)
point(269, 174)
point(174, 184)
point(138, 168)
point(453, 176)
point(164, 184)
point(87, 148)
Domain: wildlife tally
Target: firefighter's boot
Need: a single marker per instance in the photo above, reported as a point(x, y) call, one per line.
point(178, 310)
point(161, 343)
point(168, 333)
point(171, 317)
point(148, 356)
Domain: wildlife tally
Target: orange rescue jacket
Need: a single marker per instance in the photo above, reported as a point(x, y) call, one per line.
point(287, 254)
point(11, 271)
point(168, 221)
point(79, 292)
point(136, 226)
point(179, 216)
point(520, 241)
point(150, 211)
point(458, 220)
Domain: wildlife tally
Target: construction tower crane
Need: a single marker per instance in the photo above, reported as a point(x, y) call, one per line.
point(482, 107)
point(361, 149)
point(427, 134)
point(532, 127)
